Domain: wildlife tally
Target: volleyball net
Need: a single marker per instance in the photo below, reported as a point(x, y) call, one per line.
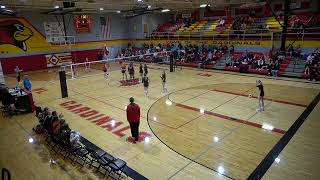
point(91, 68)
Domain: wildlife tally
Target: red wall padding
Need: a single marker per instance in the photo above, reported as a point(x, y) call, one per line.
point(38, 62)
point(81, 56)
point(26, 63)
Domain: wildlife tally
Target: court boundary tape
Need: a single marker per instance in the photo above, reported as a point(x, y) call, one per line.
point(268, 160)
point(225, 175)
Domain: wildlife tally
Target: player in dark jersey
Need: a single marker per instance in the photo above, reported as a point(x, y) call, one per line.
point(146, 82)
point(261, 96)
point(131, 71)
point(164, 80)
point(140, 73)
point(123, 71)
point(145, 69)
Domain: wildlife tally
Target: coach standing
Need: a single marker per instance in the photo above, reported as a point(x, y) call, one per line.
point(133, 117)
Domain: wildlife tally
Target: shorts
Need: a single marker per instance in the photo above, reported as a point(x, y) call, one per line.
point(123, 72)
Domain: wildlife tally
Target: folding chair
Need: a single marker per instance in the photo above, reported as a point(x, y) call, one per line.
point(95, 156)
point(104, 162)
point(82, 154)
point(117, 167)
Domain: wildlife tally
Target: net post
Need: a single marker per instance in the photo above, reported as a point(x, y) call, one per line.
point(63, 82)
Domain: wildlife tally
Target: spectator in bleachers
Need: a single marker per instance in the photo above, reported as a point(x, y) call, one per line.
point(314, 72)
point(275, 68)
point(308, 63)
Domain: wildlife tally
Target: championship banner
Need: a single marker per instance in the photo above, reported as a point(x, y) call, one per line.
point(58, 59)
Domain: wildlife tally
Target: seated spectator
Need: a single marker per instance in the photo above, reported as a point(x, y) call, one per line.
point(56, 126)
point(314, 72)
point(229, 61)
point(261, 63)
point(8, 99)
point(275, 69)
point(308, 63)
point(74, 137)
point(231, 49)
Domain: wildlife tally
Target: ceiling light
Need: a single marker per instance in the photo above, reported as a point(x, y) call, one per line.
point(202, 110)
point(165, 10)
point(149, 6)
point(155, 118)
point(204, 5)
point(2, 6)
point(140, 0)
point(101, 9)
point(118, 12)
point(277, 160)
point(56, 7)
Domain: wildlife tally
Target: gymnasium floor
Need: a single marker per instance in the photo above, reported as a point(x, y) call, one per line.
point(207, 123)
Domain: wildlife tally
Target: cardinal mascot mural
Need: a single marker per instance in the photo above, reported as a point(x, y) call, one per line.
point(13, 32)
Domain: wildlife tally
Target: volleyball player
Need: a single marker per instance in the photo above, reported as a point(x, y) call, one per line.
point(105, 70)
point(164, 78)
point(145, 69)
point(131, 71)
point(87, 65)
point(140, 73)
point(261, 96)
point(146, 82)
point(123, 71)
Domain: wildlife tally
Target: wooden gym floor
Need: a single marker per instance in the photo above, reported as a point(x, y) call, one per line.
point(205, 125)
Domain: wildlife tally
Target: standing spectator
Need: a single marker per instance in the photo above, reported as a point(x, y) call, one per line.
point(133, 117)
point(17, 70)
point(27, 83)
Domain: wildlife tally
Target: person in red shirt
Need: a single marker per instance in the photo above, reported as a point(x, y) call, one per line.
point(133, 117)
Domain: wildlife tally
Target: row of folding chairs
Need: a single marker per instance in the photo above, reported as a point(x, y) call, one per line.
point(83, 155)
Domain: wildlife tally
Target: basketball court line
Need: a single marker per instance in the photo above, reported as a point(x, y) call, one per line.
point(249, 123)
point(180, 153)
point(191, 108)
point(269, 99)
point(266, 163)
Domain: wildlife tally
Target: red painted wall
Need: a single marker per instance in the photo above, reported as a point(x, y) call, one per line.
point(81, 56)
point(38, 62)
point(26, 63)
